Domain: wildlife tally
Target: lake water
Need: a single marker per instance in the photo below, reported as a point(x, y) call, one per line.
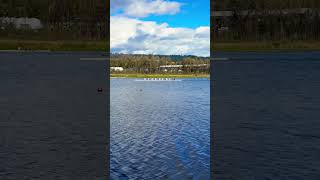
point(265, 119)
point(160, 130)
point(266, 116)
point(53, 123)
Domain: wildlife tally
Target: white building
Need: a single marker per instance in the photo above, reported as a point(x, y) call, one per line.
point(21, 23)
point(116, 68)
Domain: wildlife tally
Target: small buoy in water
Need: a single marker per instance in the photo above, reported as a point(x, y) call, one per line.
point(99, 89)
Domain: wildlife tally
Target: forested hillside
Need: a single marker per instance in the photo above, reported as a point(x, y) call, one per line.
point(61, 19)
point(263, 4)
point(265, 20)
point(24, 8)
point(152, 63)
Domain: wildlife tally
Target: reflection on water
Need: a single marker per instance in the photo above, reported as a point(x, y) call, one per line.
point(160, 130)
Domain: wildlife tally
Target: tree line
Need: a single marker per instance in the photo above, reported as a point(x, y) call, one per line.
point(24, 8)
point(227, 5)
point(71, 19)
point(274, 20)
point(152, 63)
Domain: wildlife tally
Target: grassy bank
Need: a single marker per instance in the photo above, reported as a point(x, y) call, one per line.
point(266, 46)
point(160, 75)
point(34, 45)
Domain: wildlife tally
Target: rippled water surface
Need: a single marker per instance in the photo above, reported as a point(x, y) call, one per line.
point(52, 120)
point(160, 130)
point(266, 116)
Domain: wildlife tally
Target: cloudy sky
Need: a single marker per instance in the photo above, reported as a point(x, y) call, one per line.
point(167, 27)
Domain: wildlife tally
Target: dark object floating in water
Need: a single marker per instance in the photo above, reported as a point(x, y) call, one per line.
point(99, 89)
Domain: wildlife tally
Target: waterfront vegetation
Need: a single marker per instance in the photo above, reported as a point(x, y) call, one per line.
point(260, 20)
point(54, 45)
point(159, 66)
point(101, 45)
point(260, 25)
point(81, 25)
point(166, 75)
point(258, 46)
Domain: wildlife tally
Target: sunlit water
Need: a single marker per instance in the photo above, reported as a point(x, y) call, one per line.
point(160, 130)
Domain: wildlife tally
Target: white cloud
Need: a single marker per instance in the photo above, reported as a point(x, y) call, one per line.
point(118, 4)
point(129, 35)
point(144, 8)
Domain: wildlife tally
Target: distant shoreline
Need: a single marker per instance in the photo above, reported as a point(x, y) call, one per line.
point(22, 51)
point(52, 46)
point(15, 45)
point(269, 46)
point(159, 75)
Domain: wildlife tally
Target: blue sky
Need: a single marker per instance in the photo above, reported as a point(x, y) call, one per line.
point(168, 27)
point(193, 13)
